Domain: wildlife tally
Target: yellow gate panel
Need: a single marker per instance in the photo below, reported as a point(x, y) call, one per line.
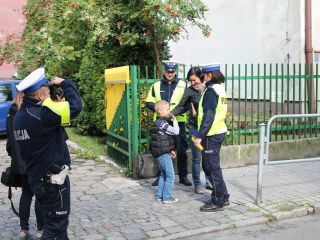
point(115, 82)
point(113, 98)
point(117, 75)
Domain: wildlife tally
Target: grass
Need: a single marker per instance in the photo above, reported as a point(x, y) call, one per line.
point(288, 206)
point(271, 218)
point(92, 146)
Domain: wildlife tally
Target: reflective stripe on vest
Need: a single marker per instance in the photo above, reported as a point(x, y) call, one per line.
point(175, 98)
point(60, 108)
point(218, 126)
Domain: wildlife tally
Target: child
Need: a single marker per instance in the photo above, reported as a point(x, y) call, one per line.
point(162, 149)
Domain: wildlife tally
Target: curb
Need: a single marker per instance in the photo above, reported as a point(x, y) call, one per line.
point(298, 212)
point(209, 229)
point(316, 208)
point(106, 160)
point(197, 231)
point(279, 216)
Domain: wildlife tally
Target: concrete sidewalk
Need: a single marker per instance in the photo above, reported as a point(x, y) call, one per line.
point(106, 205)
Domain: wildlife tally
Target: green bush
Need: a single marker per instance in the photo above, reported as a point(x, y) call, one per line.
point(79, 39)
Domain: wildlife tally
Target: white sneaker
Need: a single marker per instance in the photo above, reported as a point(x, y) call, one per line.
point(38, 234)
point(24, 234)
point(169, 201)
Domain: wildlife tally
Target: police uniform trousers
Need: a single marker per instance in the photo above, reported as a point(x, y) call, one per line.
point(55, 203)
point(211, 167)
point(181, 147)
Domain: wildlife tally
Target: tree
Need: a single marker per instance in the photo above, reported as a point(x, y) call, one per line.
point(156, 22)
point(78, 39)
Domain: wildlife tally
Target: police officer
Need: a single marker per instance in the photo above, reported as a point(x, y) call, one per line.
point(212, 129)
point(170, 89)
point(39, 131)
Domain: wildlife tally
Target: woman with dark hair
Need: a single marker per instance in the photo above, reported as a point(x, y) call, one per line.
point(211, 133)
point(18, 167)
point(190, 101)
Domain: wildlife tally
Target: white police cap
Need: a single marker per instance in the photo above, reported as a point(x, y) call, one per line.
point(209, 67)
point(33, 81)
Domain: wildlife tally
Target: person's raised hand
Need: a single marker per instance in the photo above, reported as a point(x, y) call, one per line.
point(173, 117)
point(57, 80)
point(173, 154)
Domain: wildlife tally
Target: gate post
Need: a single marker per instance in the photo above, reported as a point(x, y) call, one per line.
point(135, 121)
point(262, 130)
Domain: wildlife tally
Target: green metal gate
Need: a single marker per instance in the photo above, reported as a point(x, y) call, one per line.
point(255, 92)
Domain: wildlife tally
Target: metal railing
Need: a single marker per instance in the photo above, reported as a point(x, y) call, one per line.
point(264, 148)
point(255, 92)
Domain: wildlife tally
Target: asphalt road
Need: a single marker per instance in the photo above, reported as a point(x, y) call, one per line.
point(306, 228)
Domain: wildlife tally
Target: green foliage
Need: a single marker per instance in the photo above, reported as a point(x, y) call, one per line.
point(91, 143)
point(79, 39)
point(127, 172)
point(288, 206)
point(86, 154)
point(271, 218)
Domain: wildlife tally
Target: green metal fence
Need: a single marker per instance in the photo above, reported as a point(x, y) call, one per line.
point(255, 92)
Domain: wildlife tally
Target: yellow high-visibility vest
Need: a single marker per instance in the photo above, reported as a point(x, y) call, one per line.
point(218, 126)
point(174, 101)
point(60, 108)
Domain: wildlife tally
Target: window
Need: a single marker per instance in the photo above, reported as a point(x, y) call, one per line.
point(316, 56)
point(5, 93)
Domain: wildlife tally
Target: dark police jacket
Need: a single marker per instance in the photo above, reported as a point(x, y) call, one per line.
point(209, 104)
point(18, 165)
point(162, 140)
point(191, 95)
point(41, 137)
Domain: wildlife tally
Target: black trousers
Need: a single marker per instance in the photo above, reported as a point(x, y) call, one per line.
point(55, 204)
point(211, 167)
point(182, 146)
point(25, 204)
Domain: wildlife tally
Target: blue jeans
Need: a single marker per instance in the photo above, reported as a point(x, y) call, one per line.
point(166, 179)
point(196, 160)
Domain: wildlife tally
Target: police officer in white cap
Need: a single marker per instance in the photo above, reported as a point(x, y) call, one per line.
point(211, 133)
point(39, 131)
point(171, 89)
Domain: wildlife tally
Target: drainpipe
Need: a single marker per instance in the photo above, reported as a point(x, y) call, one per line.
point(309, 55)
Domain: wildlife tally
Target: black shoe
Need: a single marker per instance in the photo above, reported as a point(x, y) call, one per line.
point(226, 202)
point(156, 182)
point(209, 187)
point(185, 181)
point(210, 207)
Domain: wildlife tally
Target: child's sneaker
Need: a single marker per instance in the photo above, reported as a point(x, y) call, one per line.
point(158, 199)
point(38, 234)
point(24, 234)
point(171, 200)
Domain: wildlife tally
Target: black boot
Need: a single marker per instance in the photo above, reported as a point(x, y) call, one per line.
point(209, 187)
point(185, 181)
point(156, 182)
point(210, 207)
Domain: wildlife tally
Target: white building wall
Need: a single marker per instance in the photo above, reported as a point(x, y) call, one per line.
point(251, 31)
point(316, 24)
